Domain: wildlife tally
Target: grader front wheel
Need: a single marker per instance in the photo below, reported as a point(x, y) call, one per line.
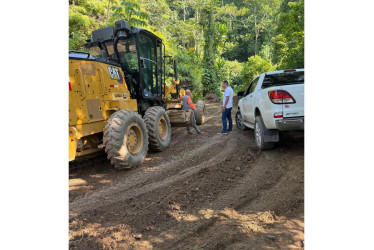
point(126, 139)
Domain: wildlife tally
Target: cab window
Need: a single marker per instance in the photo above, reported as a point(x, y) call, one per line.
point(148, 63)
point(94, 51)
point(110, 48)
point(128, 55)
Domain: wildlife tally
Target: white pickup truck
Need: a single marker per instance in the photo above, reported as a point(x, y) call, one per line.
point(273, 102)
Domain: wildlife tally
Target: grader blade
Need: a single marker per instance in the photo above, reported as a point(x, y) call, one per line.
point(180, 118)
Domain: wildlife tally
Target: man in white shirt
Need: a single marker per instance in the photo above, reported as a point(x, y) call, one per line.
point(226, 108)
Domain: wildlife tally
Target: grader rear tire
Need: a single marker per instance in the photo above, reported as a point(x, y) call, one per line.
point(200, 112)
point(159, 129)
point(126, 139)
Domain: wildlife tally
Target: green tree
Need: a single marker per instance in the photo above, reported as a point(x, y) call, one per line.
point(215, 34)
point(209, 76)
point(159, 14)
point(131, 12)
point(279, 48)
point(254, 67)
point(212, 40)
point(288, 46)
point(84, 16)
point(253, 29)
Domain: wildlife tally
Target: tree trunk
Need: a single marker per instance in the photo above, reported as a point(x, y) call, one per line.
point(255, 31)
point(197, 30)
point(107, 14)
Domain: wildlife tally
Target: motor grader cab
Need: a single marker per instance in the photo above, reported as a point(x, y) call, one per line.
point(118, 97)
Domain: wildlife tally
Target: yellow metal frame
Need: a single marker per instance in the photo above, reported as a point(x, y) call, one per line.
point(171, 88)
point(91, 80)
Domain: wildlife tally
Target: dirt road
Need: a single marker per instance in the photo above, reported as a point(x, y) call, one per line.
point(205, 192)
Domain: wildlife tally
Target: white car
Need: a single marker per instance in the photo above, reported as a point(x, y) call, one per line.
point(273, 102)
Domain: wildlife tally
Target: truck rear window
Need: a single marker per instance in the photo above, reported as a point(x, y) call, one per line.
point(287, 78)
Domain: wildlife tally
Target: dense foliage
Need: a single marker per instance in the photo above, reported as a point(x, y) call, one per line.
point(252, 68)
point(212, 40)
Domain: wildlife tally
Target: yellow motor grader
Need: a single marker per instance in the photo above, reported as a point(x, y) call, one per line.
point(118, 98)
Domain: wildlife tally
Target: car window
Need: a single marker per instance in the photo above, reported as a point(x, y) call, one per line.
point(252, 86)
point(287, 78)
point(249, 87)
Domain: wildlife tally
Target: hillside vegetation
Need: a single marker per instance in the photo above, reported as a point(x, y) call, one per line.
point(212, 40)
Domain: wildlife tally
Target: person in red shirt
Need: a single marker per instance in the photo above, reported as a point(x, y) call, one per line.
point(188, 104)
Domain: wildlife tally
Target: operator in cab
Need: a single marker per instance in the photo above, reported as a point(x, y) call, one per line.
point(147, 92)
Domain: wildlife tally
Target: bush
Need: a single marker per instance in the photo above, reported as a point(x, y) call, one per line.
point(211, 97)
point(252, 68)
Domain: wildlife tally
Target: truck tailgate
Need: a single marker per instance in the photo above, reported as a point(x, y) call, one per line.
point(295, 109)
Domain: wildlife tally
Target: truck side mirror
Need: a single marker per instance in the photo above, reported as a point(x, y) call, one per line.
point(240, 93)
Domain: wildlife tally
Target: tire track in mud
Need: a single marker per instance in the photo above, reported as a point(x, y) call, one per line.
point(156, 190)
point(141, 182)
point(250, 194)
point(228, 198)
point(166, 198)
point(201, 226)
point(128, 183)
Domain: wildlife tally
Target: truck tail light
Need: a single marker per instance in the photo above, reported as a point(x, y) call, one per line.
point(281, 97)
point(69, 86)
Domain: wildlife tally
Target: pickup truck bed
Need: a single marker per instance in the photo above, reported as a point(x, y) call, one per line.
point(273, 102)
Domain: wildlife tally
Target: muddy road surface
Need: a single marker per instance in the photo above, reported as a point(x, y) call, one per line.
point(205, 191)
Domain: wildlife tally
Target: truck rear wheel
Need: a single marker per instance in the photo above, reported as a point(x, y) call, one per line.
point(126, 139)
point(159, 129)
point(260, 135)
point(200, 112)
